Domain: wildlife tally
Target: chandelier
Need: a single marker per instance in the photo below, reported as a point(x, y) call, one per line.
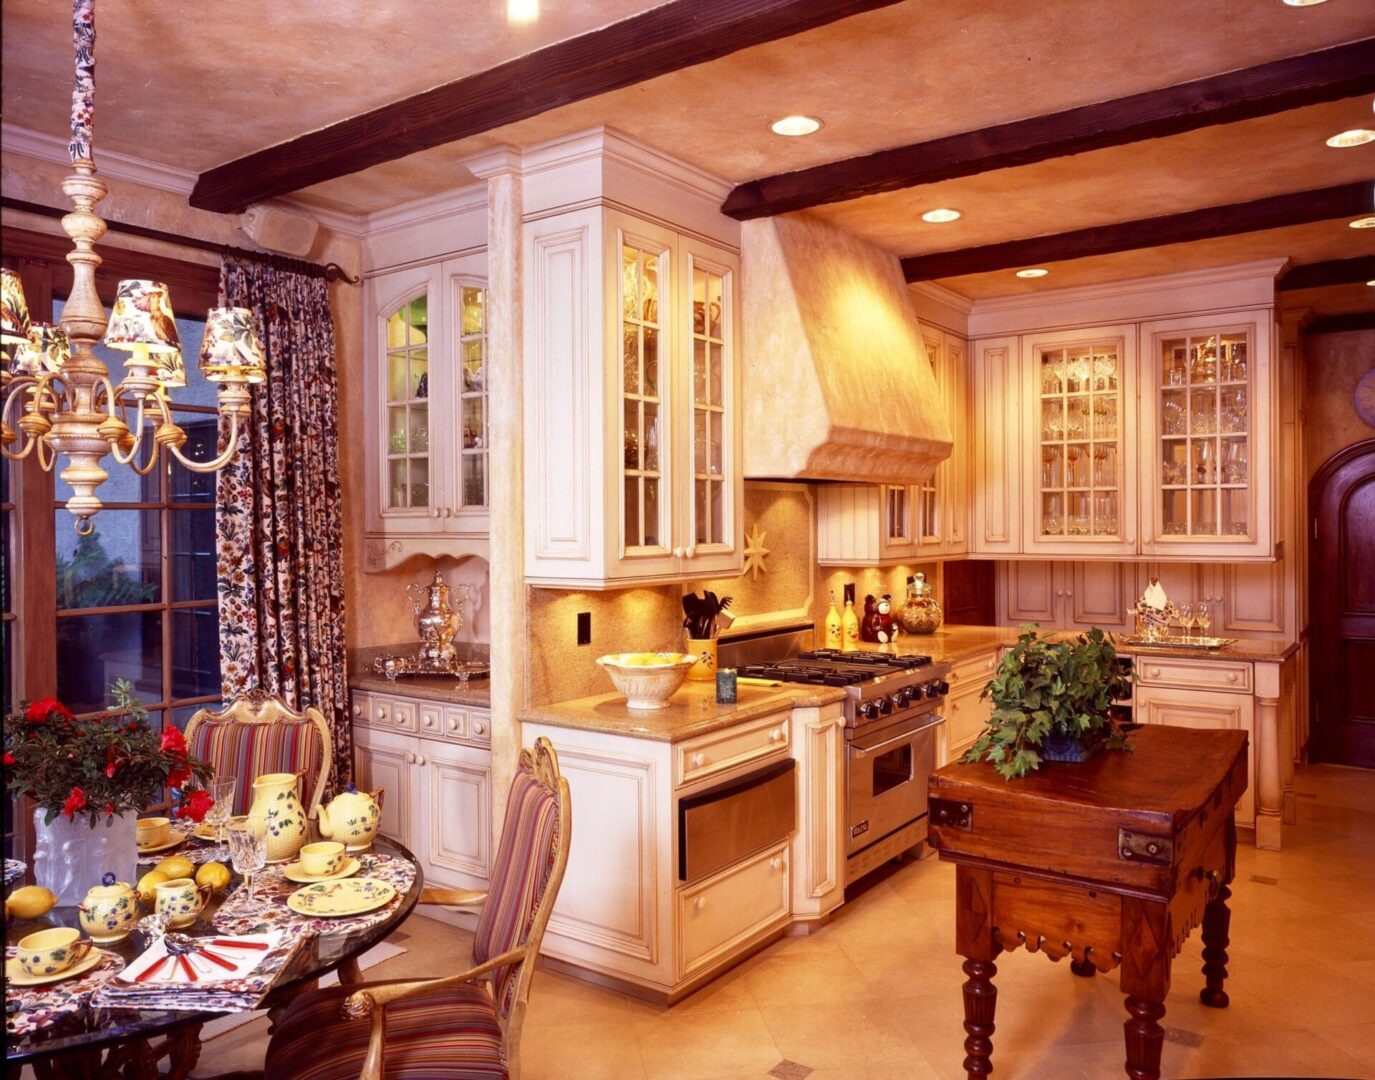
point(66, 402)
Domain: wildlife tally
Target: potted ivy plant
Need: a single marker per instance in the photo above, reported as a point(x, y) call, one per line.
point(1053, 701)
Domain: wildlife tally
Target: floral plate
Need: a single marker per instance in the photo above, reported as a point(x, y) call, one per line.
point(293, 872)
point(177, 839)
point(342, 896)
point(17, 976)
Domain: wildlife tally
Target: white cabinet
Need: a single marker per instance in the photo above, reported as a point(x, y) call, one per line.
point(1065, 595)
point(714, 917)
point(383, 760)
point(632, 387)
point(995, 478)
point(426, 413)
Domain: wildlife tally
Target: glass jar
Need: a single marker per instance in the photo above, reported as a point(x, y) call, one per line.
point(920, 613)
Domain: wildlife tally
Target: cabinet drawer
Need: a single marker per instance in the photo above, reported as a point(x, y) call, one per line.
point(455, 722)
point(393, 714)
point(708, 755)
point(480, 726)
point(1194, 674)
point(972, 675)
point(430, 718)
point(360, 706)
point(727, 910)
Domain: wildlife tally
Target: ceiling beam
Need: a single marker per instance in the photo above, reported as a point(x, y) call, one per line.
point(1337, 324)
point(1274, 212)
point(1333, 272)
point(677, 35)
point(1327, 75)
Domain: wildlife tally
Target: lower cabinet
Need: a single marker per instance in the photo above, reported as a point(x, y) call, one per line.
point(731, 908)
point(966, 715)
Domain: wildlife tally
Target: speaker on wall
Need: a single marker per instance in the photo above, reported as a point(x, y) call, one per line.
point(279, 230)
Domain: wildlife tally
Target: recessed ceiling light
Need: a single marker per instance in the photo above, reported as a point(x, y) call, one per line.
point(1371, 284)
point(1354, 137)
point(522, 12)
point(795, 125)
point(1035, 271)
point(1363, 223)
point(1304, 3)
point(941, 215)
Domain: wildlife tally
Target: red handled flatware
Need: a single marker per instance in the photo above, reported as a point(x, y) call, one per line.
point(152, 969)
point(190, 971)
point(239, 944)
point(217, 958)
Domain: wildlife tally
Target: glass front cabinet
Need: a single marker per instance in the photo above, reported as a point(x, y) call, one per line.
point(427, 413)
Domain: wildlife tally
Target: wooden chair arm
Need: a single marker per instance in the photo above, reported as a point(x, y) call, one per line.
point(436, 894)
point(372, 1002)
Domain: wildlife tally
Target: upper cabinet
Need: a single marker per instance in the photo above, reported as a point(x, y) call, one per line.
point(426, 424)
point(632, 385)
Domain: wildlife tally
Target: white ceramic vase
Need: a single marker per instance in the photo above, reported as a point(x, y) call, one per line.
point(71, 856)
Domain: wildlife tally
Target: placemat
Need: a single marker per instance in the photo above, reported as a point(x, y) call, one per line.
point(197, 852)
point(32, 1008)
point(268, 910)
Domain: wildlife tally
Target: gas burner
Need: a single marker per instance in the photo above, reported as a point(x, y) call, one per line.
point(867, 657)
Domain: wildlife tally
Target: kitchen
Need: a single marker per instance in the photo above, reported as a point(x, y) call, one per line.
point(575, 388)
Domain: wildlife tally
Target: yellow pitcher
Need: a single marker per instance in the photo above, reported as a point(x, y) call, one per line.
point(276, 801)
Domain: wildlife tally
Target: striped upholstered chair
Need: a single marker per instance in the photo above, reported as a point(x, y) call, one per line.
point(259, 734)
point(459, 1027)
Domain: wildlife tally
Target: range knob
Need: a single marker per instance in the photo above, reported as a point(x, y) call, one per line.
point(885, 706)
point(932, 689)
point(868, 710)
point(902, 697)
point(942, 687)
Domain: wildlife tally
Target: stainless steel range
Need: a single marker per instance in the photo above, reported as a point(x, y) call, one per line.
point(893, 707)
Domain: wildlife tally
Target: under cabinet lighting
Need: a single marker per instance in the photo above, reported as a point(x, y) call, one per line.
point(940, 216)
point(1354, 137)
point(795, 125)
point(1035, 271)
point(1364, 223)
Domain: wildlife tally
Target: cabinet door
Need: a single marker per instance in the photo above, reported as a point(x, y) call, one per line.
point(1204, 709)
point(955, 496)
point(1248, 598)
point(1078, 433)
point(408, 410)
point(388, 762)
point(455, 800)
point(1031, 593)
point(467, 500)
point(904, 515)
point(995, 483)
point(928, 496)
point(1097, 594)
point(965, 718)
point(709, 382)
point(1207, 436)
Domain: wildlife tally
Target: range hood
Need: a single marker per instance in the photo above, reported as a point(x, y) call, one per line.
point(837, 385)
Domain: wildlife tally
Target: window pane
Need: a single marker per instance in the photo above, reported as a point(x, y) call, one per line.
point(95, 650)
point(117, 563)
point(192, 540)
point(181, 715)
point(123, 486)
point(195, 652)
point(202, 444)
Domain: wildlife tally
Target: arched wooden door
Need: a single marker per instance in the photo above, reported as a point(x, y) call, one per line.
point(1341, 627)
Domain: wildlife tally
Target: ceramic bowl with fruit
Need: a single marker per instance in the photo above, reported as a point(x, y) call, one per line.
point(647, 679)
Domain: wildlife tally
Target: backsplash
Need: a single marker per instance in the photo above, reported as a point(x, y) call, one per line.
point(386, 617)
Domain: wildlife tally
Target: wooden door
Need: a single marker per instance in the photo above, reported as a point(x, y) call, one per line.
point(1097, 594)
point(1342, 603)
point(1033, 593)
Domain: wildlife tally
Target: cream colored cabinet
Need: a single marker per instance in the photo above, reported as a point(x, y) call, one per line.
point(1244, 599)
point(995, 477)
point(1067, 595)
point(383, 760)
point(966, 715)
point(739, 904)
point(426, 413)
point(633, 454)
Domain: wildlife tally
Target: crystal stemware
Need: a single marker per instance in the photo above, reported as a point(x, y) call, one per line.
point(221, 791)
point(248, 849)
point(1203, 617)
point(1186, 619)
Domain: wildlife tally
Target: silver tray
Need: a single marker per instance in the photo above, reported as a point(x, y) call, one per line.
point(394, 667)
point(1195, 643)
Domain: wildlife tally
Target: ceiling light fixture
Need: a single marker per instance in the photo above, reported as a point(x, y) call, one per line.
point(795, 125)
point(1034, 271)
point(1363, 223)
point(940, 216)
point(1354, 137)
point(67, 402)
point(1304, 3)
point(522, 12)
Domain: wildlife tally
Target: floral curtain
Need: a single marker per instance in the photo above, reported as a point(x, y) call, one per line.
point(278, 519)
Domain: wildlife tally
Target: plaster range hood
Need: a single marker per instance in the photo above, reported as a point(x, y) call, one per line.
point(837, 385)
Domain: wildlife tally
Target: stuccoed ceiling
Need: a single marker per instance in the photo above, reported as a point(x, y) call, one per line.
point(237, 78)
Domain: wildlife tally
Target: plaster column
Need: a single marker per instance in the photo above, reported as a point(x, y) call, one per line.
point(1268, 782)
point(501, 170)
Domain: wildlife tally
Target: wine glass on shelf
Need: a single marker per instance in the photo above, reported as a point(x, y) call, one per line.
point(248, 849)
point(221, 791)
point(1186, 619)
point(1204, 620)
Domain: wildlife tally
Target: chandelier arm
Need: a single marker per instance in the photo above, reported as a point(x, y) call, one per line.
point(226, 456)
point(138, 439)
point(46, 458)
point(18, 388)
point(20, 455)
point(150, 464)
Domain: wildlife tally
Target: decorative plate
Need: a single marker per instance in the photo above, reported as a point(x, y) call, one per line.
point(17, 976)
point(177, 839)
point(293, 872)
point(346, 896)
point(14, 870)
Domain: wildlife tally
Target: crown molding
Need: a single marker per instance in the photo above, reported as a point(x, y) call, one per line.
point(494, 162)
point(626, 150)
point(43, 147)
point(465, 200)
point(942, 295)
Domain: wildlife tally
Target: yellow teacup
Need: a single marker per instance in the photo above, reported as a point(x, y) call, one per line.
point(323, 858)
point(153, 831)
point(49, 951)
point(181, 900)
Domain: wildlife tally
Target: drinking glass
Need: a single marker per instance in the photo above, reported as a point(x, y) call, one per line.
point(222, 792)
point(248, 849)
point(1204, 619)
point(1186, 619)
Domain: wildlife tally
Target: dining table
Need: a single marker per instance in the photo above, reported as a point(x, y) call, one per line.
point(95, 1042)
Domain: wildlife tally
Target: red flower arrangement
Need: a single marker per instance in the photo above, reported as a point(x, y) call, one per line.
point(105, 765)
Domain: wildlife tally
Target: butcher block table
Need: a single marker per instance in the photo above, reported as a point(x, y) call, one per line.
point(1109, 862)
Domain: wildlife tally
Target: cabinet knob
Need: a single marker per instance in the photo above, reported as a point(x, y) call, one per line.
point(678, 553)
point(381, 712)
point(479, 729)
point(776, 735)
point(698, 760)
point(410, 758)
point(1155, 673)
point(1069, 594)
point(690, 551)
point(453, 724)
point(1231, 676)
point(400, 719)
point(1129, 539)
point(988, 664)
point(358, 710)
point(954, 706)
point(420, 759)
point(776, 862)
point(1059, 592)
point(700, 903)
point(434, 511)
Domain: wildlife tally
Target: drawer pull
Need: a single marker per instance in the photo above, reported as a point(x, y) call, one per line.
point(453, 724)
point(400, 719)
point(1155, 673)
point(776, 863)
point(698, 760)
point(479, 729)
point(700, 903)
point(420, 759)
point(955, 706)
point(776, 735)
point(358, 710)
point(382, 712)
point(410, 758)
point(1231, 676)
point(429, 721)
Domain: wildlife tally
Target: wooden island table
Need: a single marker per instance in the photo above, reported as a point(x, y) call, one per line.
point(1109, 862)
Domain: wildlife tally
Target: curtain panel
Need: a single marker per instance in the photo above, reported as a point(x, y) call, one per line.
point(278, 521)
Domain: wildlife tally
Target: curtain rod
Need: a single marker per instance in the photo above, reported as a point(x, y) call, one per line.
point(330, 271)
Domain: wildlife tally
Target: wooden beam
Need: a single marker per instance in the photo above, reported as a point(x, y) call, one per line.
point(1333, 272)
point(1327, 75)
point(1336, 324)
point(1277, 211)
point(677, 35)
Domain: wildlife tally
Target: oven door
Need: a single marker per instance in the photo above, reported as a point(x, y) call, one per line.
point(887, 772)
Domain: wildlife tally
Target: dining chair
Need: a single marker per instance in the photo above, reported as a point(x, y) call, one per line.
point(459, 1027)
point(257, 734)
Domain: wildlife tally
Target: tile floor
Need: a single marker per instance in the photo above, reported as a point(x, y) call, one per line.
point(876, 994)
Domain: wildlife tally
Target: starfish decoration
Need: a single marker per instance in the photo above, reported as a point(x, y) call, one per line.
point(755, 552)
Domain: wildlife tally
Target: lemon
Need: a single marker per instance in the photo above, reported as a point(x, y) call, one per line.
point(176, 866)
point(214, 874)
point(148, 883)
point(30, 902)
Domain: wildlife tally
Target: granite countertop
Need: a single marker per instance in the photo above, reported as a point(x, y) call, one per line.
point(691, 711)
point(427, 687)
point(955, 643)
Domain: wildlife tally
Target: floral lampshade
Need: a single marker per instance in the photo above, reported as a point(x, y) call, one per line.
point(14, 310)
point(47, 347)
point(142, 321)
point(230, 349)
point(171, 372)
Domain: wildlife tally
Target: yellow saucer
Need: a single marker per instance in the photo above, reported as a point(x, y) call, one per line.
point(344, 896)
point(293, 872)
point(16, 975)
point(178, 838)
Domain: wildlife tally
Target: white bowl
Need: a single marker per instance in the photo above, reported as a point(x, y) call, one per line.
point(647, 685)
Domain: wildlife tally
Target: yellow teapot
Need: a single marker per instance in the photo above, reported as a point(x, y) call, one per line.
point(109, 911)
point(352, 817)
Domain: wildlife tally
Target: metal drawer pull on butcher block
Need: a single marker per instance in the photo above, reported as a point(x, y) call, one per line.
point(1156, 850)
point(959, 815)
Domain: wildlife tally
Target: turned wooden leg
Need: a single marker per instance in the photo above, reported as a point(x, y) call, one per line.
point(980, 1003)
point(1083, 968)
point(1217, 918)
point(1145, 981)
point(1145, 1037)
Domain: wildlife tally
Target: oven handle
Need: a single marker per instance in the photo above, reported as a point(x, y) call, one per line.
point(863, 750)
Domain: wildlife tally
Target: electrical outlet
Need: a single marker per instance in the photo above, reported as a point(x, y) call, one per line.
point(584, 628)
